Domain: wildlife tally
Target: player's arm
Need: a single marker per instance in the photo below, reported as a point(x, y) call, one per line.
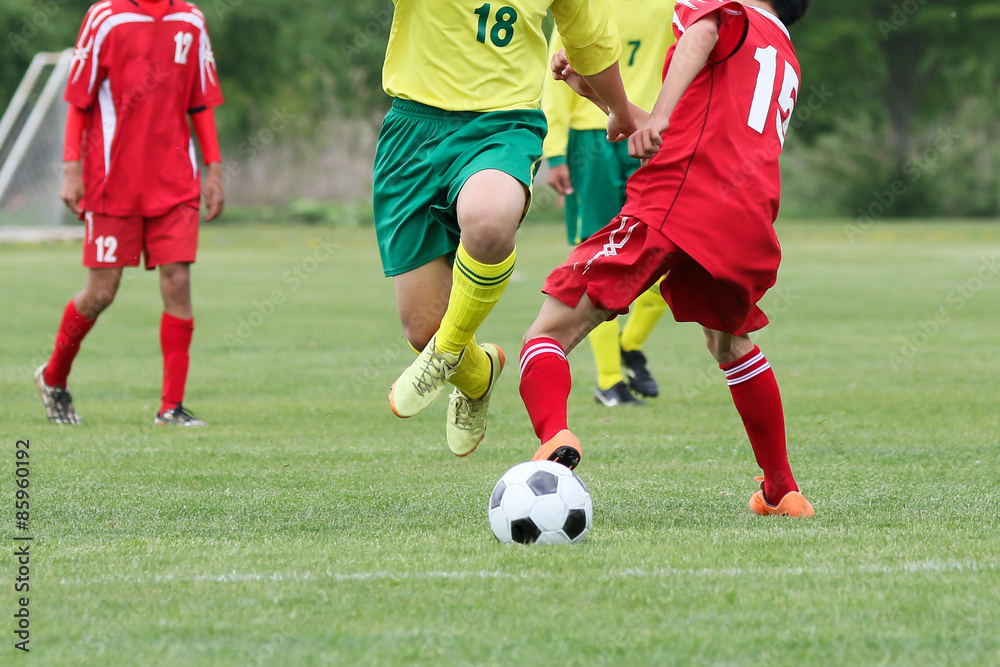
point(72, 190)
point(690, 55)
point(563, 71)
point(557, 104)
point(203, 121)
point(593, 45)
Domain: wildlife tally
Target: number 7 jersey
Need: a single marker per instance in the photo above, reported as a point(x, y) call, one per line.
point(490, 55)
point(715, 185)
point(138, 70)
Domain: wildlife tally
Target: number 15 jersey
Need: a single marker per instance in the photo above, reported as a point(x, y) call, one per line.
point(490, 55)
point(138, 70)
point(714, 187)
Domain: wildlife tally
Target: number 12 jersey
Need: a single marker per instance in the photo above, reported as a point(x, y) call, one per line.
point(138, 70)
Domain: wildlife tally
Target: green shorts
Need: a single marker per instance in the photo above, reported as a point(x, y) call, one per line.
point(424, 157)
point(598, 170)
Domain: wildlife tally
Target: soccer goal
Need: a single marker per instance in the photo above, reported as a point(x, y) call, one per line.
point(31, 138)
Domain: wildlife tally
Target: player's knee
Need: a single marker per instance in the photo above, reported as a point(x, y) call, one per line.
point(418, 333)
point(490, 239)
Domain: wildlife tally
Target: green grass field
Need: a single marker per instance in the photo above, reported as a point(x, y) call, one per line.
point(308, 526)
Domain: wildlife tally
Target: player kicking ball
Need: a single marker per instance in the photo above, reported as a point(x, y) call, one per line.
point(140, 70)
point(453, 169)
point(724, 108)
point(591, 173)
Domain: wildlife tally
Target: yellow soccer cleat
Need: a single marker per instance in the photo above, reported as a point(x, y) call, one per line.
point(421, 384)
point(466, 425)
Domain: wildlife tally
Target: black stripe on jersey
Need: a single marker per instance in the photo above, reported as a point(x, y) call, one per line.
point(197, 110)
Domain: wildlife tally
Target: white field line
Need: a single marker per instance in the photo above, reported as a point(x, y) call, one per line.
point(631, 573)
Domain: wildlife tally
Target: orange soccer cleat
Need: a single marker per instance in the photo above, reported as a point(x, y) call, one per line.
point(562, 448)
point(793, 504)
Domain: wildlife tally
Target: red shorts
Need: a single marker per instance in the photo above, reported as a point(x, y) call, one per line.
point(620, 262)
point(112, 241)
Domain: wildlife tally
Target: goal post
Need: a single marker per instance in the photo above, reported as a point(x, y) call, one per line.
point(31, 138)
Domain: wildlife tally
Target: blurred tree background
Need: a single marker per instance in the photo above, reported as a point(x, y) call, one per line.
point(898, 113)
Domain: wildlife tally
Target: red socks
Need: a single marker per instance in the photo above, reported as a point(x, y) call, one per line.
point(72, 330)
point(175, 341)
point(545, 386)
point(755, 393)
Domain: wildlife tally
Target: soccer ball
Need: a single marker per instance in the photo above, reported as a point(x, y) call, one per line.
point(540, 501)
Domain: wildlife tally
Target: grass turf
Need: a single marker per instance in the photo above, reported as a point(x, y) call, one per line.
point(307, 526)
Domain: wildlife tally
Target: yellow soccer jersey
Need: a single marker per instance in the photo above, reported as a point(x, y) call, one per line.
point(474, 55)
point(646, 32)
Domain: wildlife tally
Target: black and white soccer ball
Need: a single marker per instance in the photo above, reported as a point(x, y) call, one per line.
point(540, 501)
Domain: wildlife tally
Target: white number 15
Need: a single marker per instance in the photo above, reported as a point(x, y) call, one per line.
point(760, 110)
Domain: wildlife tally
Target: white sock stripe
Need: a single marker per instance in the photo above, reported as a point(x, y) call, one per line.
point(749, 376)
point(538, 350)
point(742, 367)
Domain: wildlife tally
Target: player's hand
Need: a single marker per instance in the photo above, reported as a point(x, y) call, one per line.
point(215, 196)
point(646, 141)
point(71, 191)
point(620, 126)
point(559, 179)
point(563, 71)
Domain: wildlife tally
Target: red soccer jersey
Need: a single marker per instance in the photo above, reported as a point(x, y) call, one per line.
point(714, 187)
point(138, 73)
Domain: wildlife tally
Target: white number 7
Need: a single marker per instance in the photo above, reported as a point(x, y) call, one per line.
point(760, 109)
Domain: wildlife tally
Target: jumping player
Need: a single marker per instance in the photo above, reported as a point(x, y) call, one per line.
point(140, 70)
point(591, 172)
point(453, 171)
point(692, 219)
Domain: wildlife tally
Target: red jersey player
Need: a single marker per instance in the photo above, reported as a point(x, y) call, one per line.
point(140, 70)
point(701, 214)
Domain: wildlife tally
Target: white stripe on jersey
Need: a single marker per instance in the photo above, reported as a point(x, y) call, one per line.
point(772, 18)
point(98, 13)
point(206, 58)
point(612, 247)
point(109, 122)
point(106, 27)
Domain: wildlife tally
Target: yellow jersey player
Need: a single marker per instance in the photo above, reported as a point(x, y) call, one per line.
point(453, 170)
point(591, 174)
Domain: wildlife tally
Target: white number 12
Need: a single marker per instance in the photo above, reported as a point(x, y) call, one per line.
point(183, 40)
point(760, 109)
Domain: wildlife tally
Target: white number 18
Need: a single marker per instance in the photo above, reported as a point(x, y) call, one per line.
point(760, 110)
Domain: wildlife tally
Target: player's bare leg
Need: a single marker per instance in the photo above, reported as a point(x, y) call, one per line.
point(176, 330)
point(78, 318)
point(755, 394)
point(545, 374)
point(422, 299)
point(489, 209)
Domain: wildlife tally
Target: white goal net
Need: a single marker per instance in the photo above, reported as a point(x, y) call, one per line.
point(31, 144)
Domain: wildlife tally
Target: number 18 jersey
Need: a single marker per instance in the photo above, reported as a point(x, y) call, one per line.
point(714, 187)
point(490, 55)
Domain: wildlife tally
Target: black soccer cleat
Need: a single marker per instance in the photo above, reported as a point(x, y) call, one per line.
point(179, 416)
point(57, 400)
point(639, 378)
point(618, 394)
